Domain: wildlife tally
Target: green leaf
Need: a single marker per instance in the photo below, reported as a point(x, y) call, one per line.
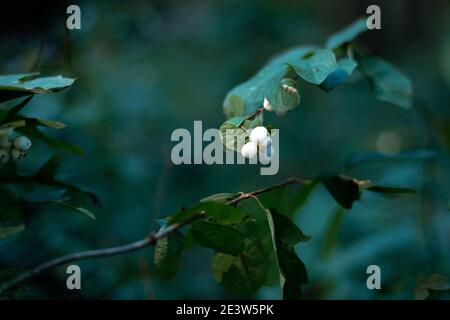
point(345, 68)
point(345, 190)
point(6, 232)
point(234, 136)
point(218, 237)
point(332, 231)
point(434, 287)
point(249, 96)
point(16, 109)
point(286, 231)
point(316, 67)
point(75, 208)
point(167, 254)
point(215, 211)
point(219, 197)
point(292, 269)
point(55, 143)
point(19, 121)
point(50, 167)
point(243, 274)
point(347, 34)
point(14, 86)
point(11, 219)
point(388, 83)
point(288, 199)
point(294, 272)
point(390, 189)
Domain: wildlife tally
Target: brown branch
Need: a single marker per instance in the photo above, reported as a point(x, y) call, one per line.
point(149, 240)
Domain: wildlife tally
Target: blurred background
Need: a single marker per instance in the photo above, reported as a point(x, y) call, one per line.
point(145, 68)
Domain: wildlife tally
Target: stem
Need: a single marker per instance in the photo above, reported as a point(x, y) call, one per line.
point(149, 240)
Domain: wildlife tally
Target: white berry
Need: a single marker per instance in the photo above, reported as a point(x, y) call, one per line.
point(267, 105)
point(22, 143)
point(249, 150)
point(259, 135)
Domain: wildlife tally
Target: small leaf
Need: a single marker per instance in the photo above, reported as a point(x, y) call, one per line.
point(316, 68)
point(77, 209)
point(347, 34)
point(219, 197)
point(388, 83)
point(16, 109)
point(167, 254)
point(218, 237)
point(345, 190)
point(390, 189)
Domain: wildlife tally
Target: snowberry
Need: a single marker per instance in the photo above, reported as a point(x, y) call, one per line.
point(265, 152)
point(249, 150)
point(4, 156)
point(15, 154)
point(259, 135)
point(22, 143)
point(267, 105)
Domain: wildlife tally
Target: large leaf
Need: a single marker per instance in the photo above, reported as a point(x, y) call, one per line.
point(267, 83)
point(242, 274)
point(347, 34)
point(286, 230)
point(218, 237)
point(18, 85)
point(167, 254)
point(388, 83)
point(316, 67)
point(345, 68)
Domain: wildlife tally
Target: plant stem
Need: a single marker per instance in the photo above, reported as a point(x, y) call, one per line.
point(149, 240)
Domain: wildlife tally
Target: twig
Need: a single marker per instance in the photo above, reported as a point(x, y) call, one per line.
point(247, 195)
point(149, 240)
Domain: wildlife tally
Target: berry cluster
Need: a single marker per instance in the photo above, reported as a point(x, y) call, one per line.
point(260, 145)
point(12, 149)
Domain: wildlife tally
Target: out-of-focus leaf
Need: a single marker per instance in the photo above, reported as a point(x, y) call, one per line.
point(15, 86)
point(388, 83)
point(75, 208)
point(50, 167)
point(369, 157)
point(347, 34)
point(390, 189)
point(218, 237)
point(316, 67)
point(242, 274)
point(34, 132)
point(6, 232)
point(19, 121)
point(332, 231)
point(14, 110)
point(434, 287)
point(345, 68)
point(167, 254)
point(249, 96)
